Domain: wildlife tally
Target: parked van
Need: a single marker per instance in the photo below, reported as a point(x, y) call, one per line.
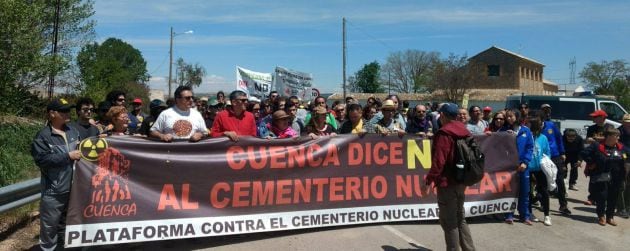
point(571, 112)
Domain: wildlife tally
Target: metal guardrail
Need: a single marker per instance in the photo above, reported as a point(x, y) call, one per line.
point(19, 194)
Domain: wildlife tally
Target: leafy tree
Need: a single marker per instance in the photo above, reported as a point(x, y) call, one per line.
point(112, 65)
point(21, 43)
point(367, 80)
point(609, 78)
point(410, 71)
point(25, 47)
point(453, 76)
point(189, 74)
point(600, 77)
point(75, 29)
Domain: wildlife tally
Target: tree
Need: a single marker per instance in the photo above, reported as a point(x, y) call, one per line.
point(74, 30)
point(410, 71)
point(26, 36)
point(189, 74)
point(367, 80)
point(600, 77)
point(609, 78)
point(453, 76)
point(112, 65)
point(21, 44)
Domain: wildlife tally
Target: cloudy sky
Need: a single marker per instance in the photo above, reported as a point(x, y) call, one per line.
point(306, 35)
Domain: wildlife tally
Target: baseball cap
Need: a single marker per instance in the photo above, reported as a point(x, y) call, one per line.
point(253, 99)
point(137, 101)
point(59, 105)
point(157, 103)
point(204, 99)
point(487, 108)
point(626, 118)
point(545, 106)
point(449, 109)
point(599, 113)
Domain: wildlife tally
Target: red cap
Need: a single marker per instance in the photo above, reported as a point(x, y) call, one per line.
point(137, 101)
point(487, 108)
point(599, 113)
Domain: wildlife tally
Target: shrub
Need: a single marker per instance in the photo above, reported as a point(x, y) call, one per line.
point(16, 135)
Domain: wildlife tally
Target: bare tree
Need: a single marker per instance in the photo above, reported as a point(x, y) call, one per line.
point(453, 76)
point(410, 71)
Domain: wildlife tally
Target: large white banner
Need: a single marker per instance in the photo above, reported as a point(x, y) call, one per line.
point(293, 83)
point(253, 83)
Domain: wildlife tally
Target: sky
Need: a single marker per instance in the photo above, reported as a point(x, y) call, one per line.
point(307, 35)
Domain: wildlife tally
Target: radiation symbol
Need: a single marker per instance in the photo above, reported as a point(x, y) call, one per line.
point(90, 148)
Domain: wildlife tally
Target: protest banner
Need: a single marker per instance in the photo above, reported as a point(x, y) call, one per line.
point(253, 83)
point(132, 189)
point(293, 83)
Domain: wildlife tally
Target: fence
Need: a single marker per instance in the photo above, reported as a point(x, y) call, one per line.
point(19, 194)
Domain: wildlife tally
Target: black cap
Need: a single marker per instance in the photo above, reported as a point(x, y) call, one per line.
point(156, 103)
point(60, 105)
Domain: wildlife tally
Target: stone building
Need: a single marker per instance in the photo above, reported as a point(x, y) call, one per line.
point(508, 73)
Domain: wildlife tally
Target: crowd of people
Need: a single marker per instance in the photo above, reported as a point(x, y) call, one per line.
point(186, 117)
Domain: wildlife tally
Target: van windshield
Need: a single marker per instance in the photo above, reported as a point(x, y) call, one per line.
point(572, 110)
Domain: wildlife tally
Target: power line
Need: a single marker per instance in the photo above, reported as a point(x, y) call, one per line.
point(370, 36)
point(159, 66)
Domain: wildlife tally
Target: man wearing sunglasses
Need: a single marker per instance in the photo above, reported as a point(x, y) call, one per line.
point(180, 121)
point(54, 152)
point(85, 111)
point(234, 121)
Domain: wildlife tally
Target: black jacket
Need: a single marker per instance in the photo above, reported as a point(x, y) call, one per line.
point(606, 160)
point(50, 152)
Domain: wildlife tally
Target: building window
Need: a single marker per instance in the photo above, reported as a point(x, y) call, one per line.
point(493, 70)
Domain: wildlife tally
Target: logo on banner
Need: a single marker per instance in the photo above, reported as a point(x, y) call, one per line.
point(90, 148)
point(110, 195)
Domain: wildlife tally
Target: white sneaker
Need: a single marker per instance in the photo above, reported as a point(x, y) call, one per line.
point(547, 221)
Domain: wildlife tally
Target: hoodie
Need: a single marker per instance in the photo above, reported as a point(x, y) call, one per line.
point(443, 157)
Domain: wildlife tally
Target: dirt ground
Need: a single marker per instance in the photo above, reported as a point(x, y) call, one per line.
point(24, 238)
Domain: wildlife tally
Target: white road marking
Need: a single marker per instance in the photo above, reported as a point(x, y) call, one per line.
point(403, 236)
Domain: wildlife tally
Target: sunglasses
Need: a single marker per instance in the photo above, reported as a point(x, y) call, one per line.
point(121, 100)
point(188, 97)
point(88, 110)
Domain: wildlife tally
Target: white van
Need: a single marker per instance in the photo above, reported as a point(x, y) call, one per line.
point(571, 112)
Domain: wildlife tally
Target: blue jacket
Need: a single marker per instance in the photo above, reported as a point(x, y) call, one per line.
point(551, 131)
point(50, 152)
point(541, 147)
point(524, 144)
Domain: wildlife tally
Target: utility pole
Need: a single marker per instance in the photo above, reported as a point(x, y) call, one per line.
point(344, 58)
point(572, 78)
point(170, 65)
point(51, 77)
point(389, 83)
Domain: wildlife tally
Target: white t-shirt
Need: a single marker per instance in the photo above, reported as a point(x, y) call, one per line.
point(179, 123)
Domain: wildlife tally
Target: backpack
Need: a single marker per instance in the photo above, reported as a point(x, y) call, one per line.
point(469, 161)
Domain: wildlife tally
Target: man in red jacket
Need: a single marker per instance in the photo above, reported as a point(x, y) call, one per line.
point(450, 194)
point(235, 121)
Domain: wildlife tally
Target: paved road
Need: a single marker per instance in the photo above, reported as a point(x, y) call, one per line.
point(576, 232)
